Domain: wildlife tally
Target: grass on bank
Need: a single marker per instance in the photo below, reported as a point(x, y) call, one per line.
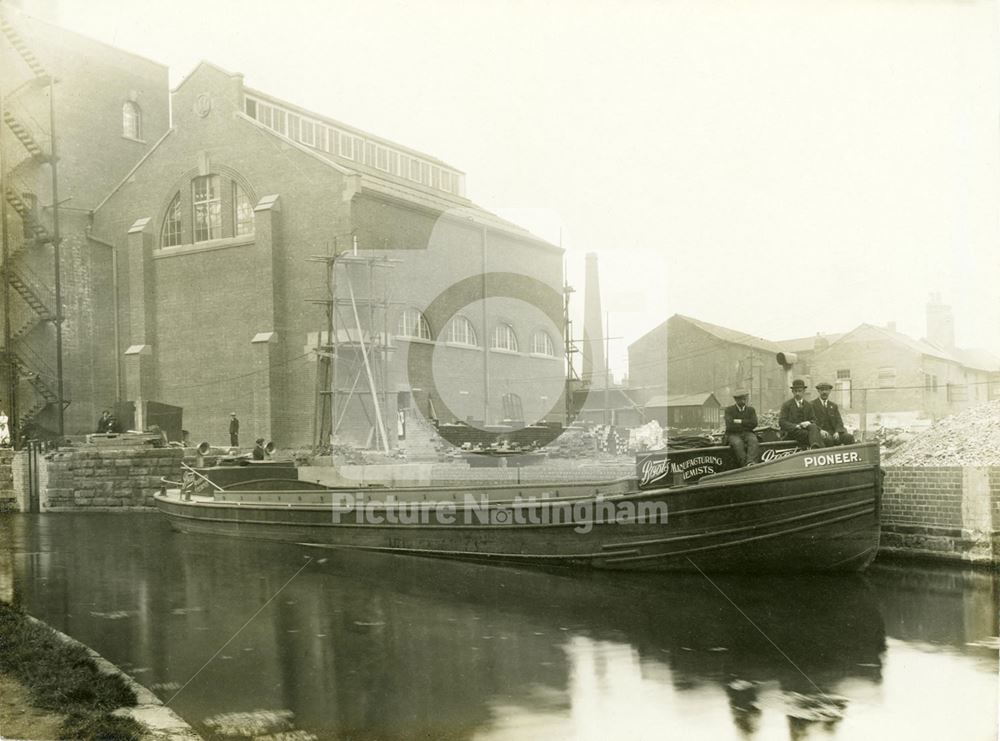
point(62, 678)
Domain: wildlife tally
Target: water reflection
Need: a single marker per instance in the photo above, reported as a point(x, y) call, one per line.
point(375, 646)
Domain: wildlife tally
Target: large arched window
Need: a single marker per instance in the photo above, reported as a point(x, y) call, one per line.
point(413, 324)
point(211, 207)
point(461, 332)
point(504, 338)
point(206, 201)
point(171, 234)
point(131, 120)
point(541, 344)
point(242, 211)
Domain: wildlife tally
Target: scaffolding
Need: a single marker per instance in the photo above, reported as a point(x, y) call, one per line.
point(570, 347)
point(347, 341)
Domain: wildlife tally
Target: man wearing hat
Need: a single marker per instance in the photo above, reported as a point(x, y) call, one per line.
point(234, 430)
point(741, 420)
point(827, 413)
point(797, 419)
point(258, 450)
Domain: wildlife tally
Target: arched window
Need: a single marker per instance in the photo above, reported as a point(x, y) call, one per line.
point(171, 233)
point(242, 211)
point(461, 332)
point(206, 201)
point(504, 338)
point(413, 324)
point(541, 344)
point(131, 120)
point(212, 208)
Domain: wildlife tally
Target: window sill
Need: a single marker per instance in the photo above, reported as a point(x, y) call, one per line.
point(133, 139)
point(418, 340)
point(543, 356)
point(244, 240)
point(503, 351)
point(463, 346)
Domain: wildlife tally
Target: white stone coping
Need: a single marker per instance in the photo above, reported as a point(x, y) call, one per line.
point(161, 722)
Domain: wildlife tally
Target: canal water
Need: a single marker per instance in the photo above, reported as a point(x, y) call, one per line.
point(244, 638)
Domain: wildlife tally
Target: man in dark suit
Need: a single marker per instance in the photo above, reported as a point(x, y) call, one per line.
point(234, 430)
point(741, 420)
point(104, 423)
point(831, 425)
point(797, 420)
point(259, 453)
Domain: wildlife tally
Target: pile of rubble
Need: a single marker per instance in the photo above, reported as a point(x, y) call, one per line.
point(647, 437)
point(768, 418)
point(892, 438)
point(578, 442)
point(971, 438)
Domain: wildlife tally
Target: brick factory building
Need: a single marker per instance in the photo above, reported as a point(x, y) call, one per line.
point(686, 356)
point(235, 253)
point(876, 371)
point(109, 106)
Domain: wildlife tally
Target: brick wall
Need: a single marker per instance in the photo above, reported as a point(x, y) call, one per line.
point(106, 478)
point(209, 300)
point(950, 512)
point(922, 496)
point(94, 82)
point(995, 506)
point(685, 359)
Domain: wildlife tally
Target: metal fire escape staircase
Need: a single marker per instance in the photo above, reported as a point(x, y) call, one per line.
point(24, 135)
point(37, 296)
point(21, 47)
point(33, 368)
point(38, 231)
point(27, 364)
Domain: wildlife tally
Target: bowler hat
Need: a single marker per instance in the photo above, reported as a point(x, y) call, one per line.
point(823, 385)
point(798, 383)
point(740, 392)
point(260, 441)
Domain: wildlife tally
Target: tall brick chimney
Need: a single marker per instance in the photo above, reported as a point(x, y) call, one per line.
point(594, 362)
point(940, 323)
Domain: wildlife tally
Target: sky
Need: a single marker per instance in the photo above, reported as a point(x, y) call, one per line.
point(780, 168)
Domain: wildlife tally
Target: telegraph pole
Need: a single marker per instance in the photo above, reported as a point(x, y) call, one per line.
point(607, 366)
point(10, 377)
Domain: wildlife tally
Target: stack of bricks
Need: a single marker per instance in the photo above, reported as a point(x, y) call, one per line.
point(108, 478)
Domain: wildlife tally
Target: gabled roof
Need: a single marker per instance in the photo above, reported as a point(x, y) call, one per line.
point(337, 124)
point(806, 344)
point(922, 347)
point(19, 19)
point(204, 63)
point(454, 206)
point(684, 400)
point(978, 358)
point(731, 335)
